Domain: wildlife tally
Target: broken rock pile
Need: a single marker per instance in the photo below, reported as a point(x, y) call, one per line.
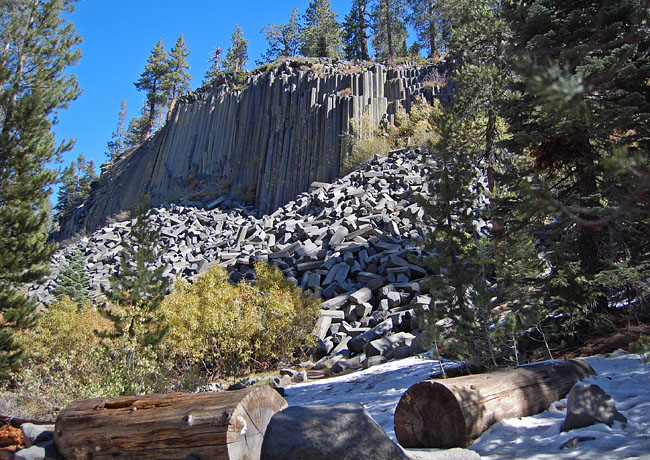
point(355, 241)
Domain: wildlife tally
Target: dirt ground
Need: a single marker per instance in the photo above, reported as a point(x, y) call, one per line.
point(626, 331)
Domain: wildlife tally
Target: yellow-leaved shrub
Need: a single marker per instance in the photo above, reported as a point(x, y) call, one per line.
point(227, 329)
point(65, 358)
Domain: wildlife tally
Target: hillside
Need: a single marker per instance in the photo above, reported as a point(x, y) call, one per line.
point(354, 240)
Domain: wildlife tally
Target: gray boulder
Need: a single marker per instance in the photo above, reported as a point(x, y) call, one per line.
point(342, 432)
point(34, 434)
point(44, 451)
point(588, 405)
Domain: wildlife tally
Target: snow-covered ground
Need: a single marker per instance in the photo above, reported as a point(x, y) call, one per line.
point(621, 375)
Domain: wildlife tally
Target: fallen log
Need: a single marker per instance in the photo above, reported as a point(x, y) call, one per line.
point(454, 412)
point(228, 425)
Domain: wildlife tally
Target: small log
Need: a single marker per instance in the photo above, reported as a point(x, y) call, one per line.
point(228, 425)
point(454, 412)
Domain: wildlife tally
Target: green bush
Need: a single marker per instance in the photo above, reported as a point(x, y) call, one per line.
point(229, 329)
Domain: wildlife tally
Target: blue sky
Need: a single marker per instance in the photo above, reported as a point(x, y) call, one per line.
point(118, 37)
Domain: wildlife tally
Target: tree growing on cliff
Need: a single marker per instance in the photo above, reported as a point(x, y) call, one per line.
point(117, 144)
point(135, 134)
point(389, 29)
point(36, 48)
point(426, 18)
point(214, 65)
point(355, 31)
point(283, 39)
point(321, 34)
point(153, 82)
point(237, 54)
point(177, 78)
point(75, 187)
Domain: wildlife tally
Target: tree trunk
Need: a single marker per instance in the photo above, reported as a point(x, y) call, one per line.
point(432, 28)
point(228, 425)
point(389, 31)
point(364, 55)
point(172, 104)
point(454, 412)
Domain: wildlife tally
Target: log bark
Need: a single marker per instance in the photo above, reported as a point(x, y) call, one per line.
point(227, 425)
point(454, 412)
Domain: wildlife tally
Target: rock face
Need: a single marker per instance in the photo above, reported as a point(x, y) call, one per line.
point(355, 240)
point(263, 142)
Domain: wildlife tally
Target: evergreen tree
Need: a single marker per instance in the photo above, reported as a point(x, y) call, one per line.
point(177, 78)
point(137, 131)
point(237, 54)
point(389, 29)
point(426, 18)
point(135, 293)
point(321, 34)
point(75, 187)
point(117, 144)
point(284, 40)
point(215, 65)
point(138, 287)
point(461, 283)
point(73, 280)
point(580, 124)
point(36, 47)
point(153, 82)
point(355, 31)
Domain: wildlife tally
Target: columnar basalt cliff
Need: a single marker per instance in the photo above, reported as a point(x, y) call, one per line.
point(263, 142)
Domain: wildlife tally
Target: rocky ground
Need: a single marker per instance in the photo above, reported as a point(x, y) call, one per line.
point(356, 241)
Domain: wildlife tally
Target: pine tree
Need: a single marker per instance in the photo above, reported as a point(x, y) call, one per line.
point(117, 144)
point(73, 280)
point(355, 31)
point(136, 133)
point(36, 47)
point(426, 18)
point(321, 34)
point(135, 293)
point(138, 287)
point(580, 122)
point(153, 82)
point(389, 29)
point(177, 78)
point(461, 260)
point(75, 187)
point(283, 40)
point(237, 54)
point(215, 65)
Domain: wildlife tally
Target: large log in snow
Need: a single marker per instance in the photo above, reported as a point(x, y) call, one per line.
point(454, 412)
point(228, 425)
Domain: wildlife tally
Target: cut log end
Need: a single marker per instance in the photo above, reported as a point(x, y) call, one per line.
point(228, 425)
point(428, 414)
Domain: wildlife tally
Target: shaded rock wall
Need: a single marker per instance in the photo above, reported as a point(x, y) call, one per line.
point(263, 143)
